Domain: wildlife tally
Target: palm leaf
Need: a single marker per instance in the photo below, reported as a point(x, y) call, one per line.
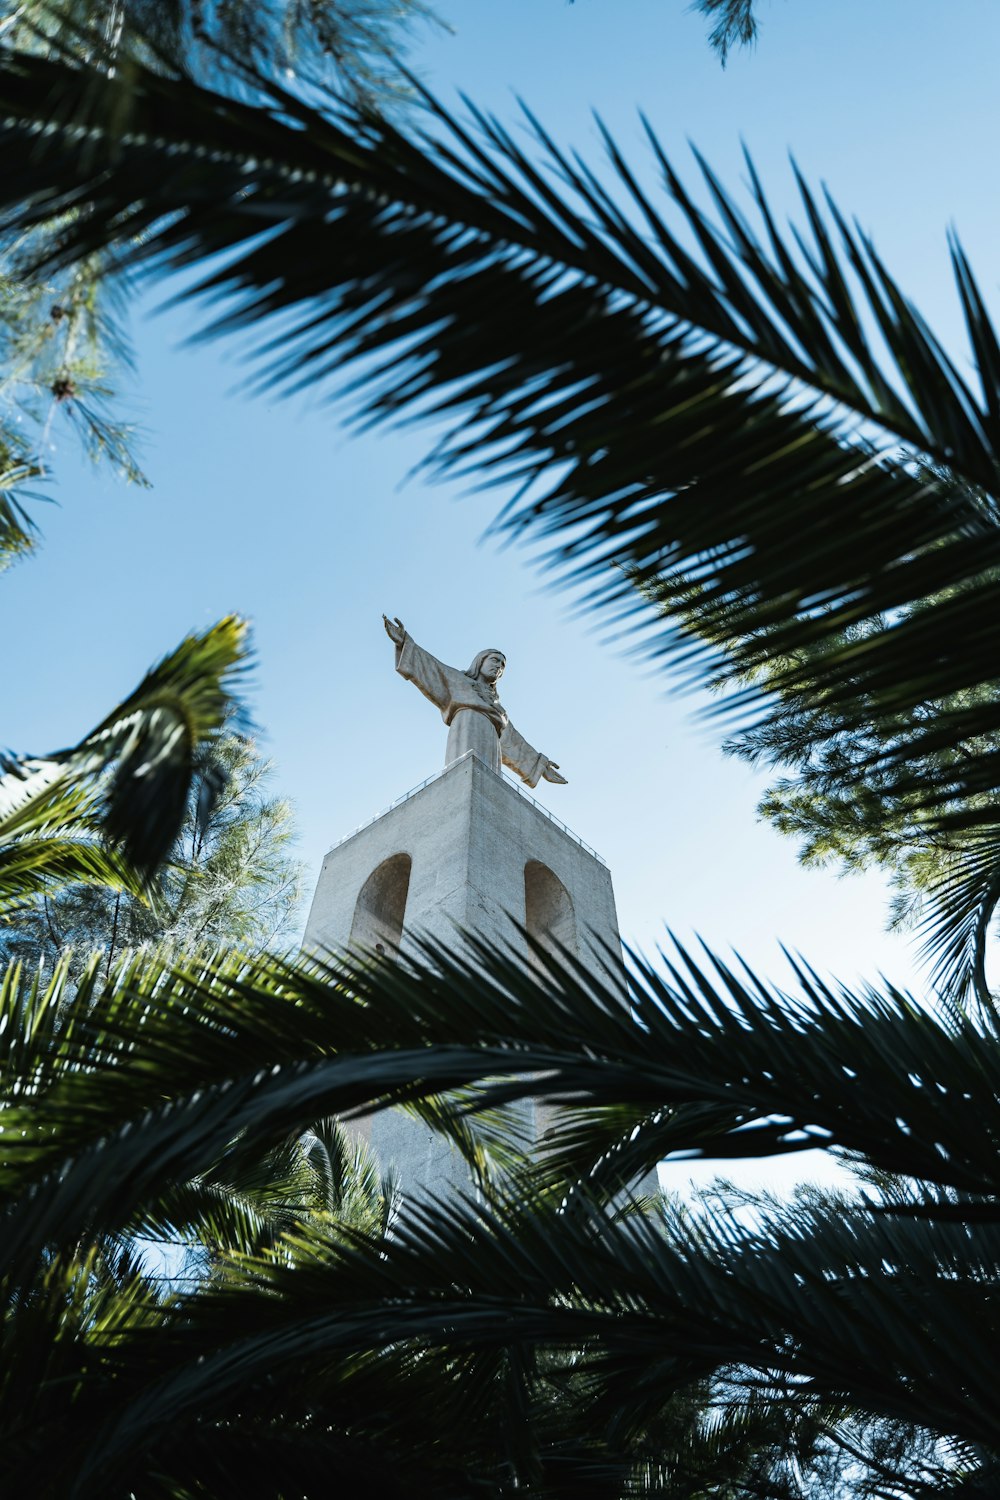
point(702, 408)
point(155, 740)
point(848, 1304)
point(51, 834)
point(17, 531)
point(894, 1317)
point(705, 1063)
point(962, 905)
point(733, 22)
point(108, 809)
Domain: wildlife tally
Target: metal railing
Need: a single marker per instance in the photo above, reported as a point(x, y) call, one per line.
point(552, 817)
point(503, 777)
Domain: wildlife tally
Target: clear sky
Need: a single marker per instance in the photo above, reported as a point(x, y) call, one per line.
point(272, 509)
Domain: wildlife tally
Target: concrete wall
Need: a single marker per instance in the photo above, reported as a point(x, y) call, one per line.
point(469, 835)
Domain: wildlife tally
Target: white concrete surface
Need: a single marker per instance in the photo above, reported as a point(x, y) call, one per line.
point(469, 835)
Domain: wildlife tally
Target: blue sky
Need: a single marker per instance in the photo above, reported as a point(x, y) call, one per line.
point(271, 508)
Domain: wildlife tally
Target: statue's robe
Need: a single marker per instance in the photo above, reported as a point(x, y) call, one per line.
point(476, 719)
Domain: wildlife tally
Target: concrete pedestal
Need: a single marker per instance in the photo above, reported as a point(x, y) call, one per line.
point(465, 852)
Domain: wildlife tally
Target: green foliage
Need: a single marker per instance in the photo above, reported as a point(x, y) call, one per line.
point(734, 23)
point(529, 1337)
point(107, 811)
point(845, 806)
point(63, 346)
point(780, 532)
point(60, 341)
point(233, 880)
point(719, 411)
point(356, 45)
point(17, 468)
point(67, 1322)
point(228, 878)
point(252, 1204)
point(846, 802)
point(52, 835)
point(676, 434)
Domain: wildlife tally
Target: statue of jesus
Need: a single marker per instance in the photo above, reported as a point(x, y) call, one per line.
point(469, 705)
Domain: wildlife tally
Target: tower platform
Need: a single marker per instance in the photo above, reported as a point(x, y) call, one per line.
point(466, 849)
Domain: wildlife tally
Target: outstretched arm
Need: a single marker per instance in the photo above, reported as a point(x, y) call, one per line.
point(394, 629)
point(530, 764)
point(434, 679)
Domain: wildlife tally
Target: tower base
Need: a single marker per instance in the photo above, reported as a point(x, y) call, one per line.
point(466, 852)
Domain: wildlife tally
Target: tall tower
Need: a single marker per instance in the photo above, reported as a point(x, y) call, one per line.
point(464, 852)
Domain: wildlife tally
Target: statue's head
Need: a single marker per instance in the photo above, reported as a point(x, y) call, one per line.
point(488, 665)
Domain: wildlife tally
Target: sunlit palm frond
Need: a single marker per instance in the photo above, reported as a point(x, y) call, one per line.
point(106, 811)
point(18, 533)
point(348, 1183)
point(51, 835)
point(32, 1024)
point(28, 868)
point(147, 751)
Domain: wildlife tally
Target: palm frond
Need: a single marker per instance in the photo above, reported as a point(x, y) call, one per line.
point(882, 1314)
point(164, 1072)
point(350, 1184)
point(723, 415)
point(154, 741)
point(705, 1062)
point(51, 835)
point(31, 867)
point(962, 905)
point(18, 533)
point(107, 810)
point(734, 22)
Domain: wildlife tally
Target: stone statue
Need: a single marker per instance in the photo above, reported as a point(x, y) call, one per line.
point(470, 707)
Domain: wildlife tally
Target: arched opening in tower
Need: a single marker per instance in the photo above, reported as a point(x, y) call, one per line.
point(548, 909)
point(381, 906)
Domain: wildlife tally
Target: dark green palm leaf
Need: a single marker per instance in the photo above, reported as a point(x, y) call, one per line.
point(889, 1310)
point(956, 929)
point(155, 740)
point(701, 411)
point(893, 1316)
point(108, 809)
point(733, 22)
point(707, 1063)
